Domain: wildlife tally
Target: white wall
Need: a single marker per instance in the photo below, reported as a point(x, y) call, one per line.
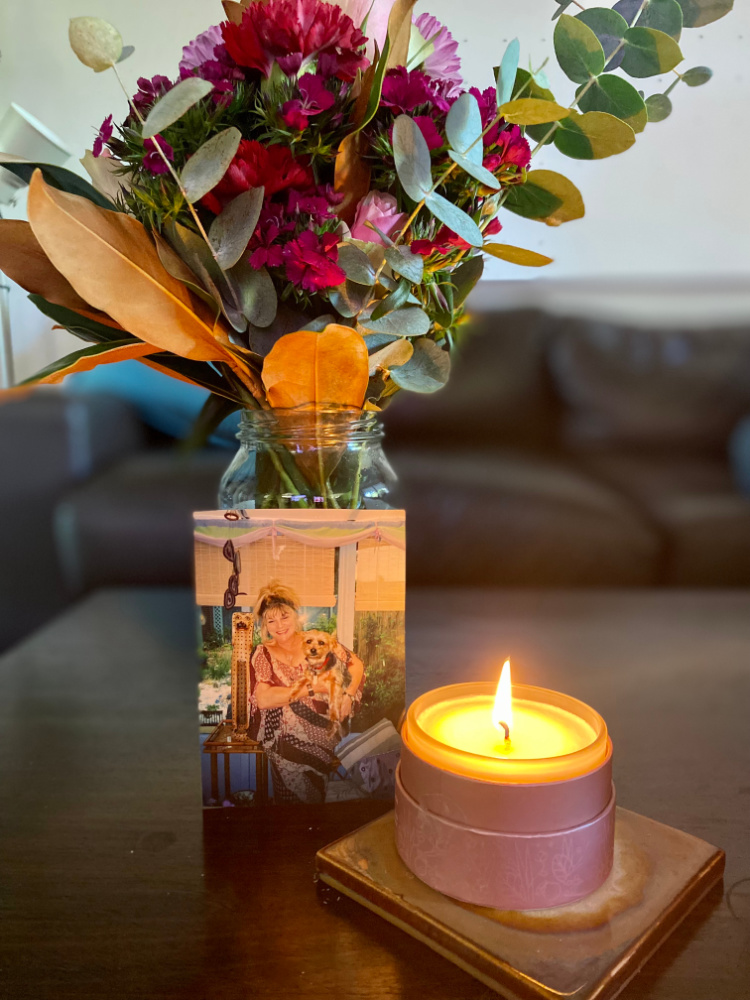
point(675, 208)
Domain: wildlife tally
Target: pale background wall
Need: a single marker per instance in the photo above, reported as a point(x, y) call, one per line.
point(669, 219)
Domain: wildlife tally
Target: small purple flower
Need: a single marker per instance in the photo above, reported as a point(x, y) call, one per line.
point(149, 91)
point(152, 161)
point(443, 63)
point(103, 136)
point(313, 99)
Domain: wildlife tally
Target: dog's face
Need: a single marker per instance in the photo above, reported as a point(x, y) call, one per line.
point(317, 647)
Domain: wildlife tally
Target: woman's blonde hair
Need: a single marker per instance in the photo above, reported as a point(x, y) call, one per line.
point(274, 595)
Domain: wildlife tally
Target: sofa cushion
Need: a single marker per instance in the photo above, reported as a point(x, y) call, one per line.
point(513, 519)
point(133, 524)
point(629, 387)
point(704, 521)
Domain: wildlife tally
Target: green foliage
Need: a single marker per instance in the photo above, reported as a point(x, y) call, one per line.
point(697, 76)
point(173, 105)
point(608, 26)
point(696, 13)
point(664, 15)
point(57, 177)
point(218, 663)
point(379, 643)
point(427, 370)
point(615, 96)
point(506, 76)
point(579, 52)
point(659, 107)
point(412, 158)
point(209, 163)
point(649, 52)
point(593, 136)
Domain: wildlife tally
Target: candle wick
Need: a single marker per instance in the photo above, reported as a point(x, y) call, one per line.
point(506, 730)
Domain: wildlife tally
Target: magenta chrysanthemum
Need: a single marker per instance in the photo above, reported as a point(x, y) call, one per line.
point(443, 63)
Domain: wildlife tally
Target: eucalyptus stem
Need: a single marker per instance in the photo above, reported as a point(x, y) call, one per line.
point(168, 165)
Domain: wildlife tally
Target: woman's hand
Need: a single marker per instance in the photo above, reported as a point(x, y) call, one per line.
point(347, 703)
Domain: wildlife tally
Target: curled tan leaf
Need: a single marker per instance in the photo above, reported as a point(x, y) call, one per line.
point(322, 367)
point(399, 32)
point(351, 177)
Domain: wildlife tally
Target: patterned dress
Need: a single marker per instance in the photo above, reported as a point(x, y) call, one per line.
point(299, 738)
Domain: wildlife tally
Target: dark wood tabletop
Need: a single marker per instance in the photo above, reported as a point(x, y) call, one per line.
point(112, 884)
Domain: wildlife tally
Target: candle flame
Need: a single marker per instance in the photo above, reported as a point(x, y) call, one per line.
point(503, 708)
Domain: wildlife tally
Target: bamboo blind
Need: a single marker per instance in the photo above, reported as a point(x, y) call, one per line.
point(381, 577)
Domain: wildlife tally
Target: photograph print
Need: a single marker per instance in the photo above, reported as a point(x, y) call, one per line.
point(303, 661)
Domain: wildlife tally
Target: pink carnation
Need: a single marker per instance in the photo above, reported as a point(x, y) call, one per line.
point(382, 211)
point(201, 49)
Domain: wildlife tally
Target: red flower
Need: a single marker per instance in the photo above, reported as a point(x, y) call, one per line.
point(493, 228)
point(405, 90)
point(313, 99)
point(446, 240)
point(254, 165)
point(152, 161)
point(293, 33)
point(311, 261)
point(510, 149)
point(103, 136)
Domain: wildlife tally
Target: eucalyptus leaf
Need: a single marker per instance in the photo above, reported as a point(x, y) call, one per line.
point(412, 157)
point(391, 355)
point(127, 51)
point(628, 9)
point(463, 126)
point(649, 52)
point(563, 6)
point(426, 371)
point(255, 292)
point(404, 262)
point(230, 232)
point(454, 218)
point(615, 96)
point(475, 170)
point(696, 13)
point(397, 298)
point(174, 264)
point(356, 265)
point(548, 197)
point(57, 177)
point(173, 105)
point(593, 136)
point(96, 42)
point(320, 323)
point(516, 255)
point(506, 76)
point(374, 341)
point(658, 107)
point(532, 111)
point(697, 76)
point(527, 86)
point(349, 299)
point(465, 277)
point(609, 27)
point(664, 15)
point(209, 163)
point(579, 52)
point(408, 322)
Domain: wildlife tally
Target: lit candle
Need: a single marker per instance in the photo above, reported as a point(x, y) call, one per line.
point(504, 794)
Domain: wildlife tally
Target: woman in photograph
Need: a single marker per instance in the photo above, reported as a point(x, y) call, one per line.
point(292, 702)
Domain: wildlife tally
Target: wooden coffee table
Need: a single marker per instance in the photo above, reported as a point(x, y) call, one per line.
point(113, 885)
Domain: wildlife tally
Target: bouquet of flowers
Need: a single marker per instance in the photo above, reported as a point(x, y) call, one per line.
point(299, 215)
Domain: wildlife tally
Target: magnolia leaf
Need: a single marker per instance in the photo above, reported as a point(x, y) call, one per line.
point(256, 293)
point(192, 249)
point(56, 177)
point(398, 298)
point(351, 177)
point(533, 111)
point(88, 358)
point(463, 126)
point(326, 367)
point(399, 32)
point(506, 76)
point(107, 176)
point(697, 76)
point(578, 50)
point(609, 27)
point(173, 105)
point(356, 265)
point(696, 13)
point(96, 43)
point(82, 325)
point(209, 163)
point(664, 15)
point(26, 263)
point(516, 255)
point(194, 373)
point(349, 299)
point(475, 170)
point(127, 51)
point(658, 107)
point(404, 262)
point(111, 262)
point(412, 156)
point(615, 96)
point(649, 52)
point(465, 277)
point(368, 100)
point(230, 232)
point(408, 322)
point(391, 356)
point(426, 371)
point(593, 136)
point(456, 219)
point(548, 197)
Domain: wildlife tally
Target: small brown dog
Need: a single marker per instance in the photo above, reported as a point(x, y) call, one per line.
point(324, 665)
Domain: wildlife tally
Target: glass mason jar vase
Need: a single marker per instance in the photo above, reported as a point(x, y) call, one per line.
point(308, 457)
